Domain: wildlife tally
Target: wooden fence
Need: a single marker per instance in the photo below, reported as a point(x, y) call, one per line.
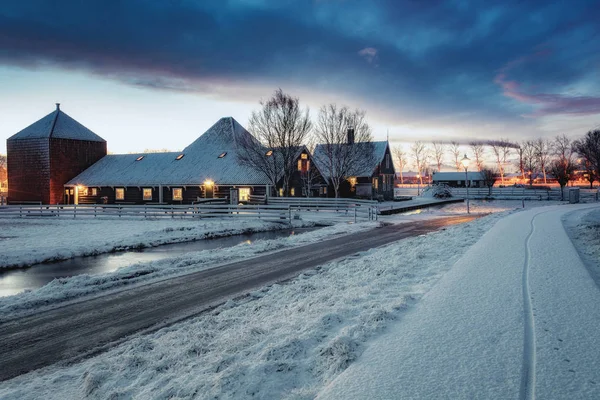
point(279, 211)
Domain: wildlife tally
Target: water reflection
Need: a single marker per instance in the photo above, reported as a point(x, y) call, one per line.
point(16, 281)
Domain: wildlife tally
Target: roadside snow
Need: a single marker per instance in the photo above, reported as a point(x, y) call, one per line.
point(30, 241)
point(282, 341)
point(584, 229)
point(515, 318)
point(64, 289)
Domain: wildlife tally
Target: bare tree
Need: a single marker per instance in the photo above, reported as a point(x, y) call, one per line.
point(562, 149)
point(489, 178)
point(501, 149)
point(542, 151)
point(589, 149)
point(478, 150)
point(529, 159)
point(279, 128)
point(401, 160)
point(455, 151)
point(438, 153)
point(345, 143)
point(521, 162)
point(562, 172)
point(420, 157)
point(2, 161)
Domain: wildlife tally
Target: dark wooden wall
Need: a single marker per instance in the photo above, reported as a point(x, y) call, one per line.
point(69, 158)
point(28, 164)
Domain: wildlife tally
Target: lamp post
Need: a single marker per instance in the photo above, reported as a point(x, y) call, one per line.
point(465, 162)
point(418, 184)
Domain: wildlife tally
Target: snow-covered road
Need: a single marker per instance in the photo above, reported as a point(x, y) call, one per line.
point(518, 316)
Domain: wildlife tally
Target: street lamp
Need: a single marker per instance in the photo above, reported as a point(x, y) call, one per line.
point(465, 162)
point(418, 184)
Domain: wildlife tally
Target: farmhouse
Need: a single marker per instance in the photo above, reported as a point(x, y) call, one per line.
point(371, 174)
point(47, 154)
point(458, 179)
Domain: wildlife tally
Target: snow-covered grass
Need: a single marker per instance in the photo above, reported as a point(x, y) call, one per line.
point(584, 230)
point(29, 241)
point(76, 287)
point(283, 341)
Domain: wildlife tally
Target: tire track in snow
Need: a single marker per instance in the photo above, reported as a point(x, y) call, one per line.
point(528, 375)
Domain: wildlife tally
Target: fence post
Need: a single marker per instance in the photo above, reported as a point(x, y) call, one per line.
point(74, 211)
point(354, 214)
point(95, 211)
point(172, 212)
point(290, 212)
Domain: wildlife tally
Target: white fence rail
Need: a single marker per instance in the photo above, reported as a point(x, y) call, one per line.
point(278, 212)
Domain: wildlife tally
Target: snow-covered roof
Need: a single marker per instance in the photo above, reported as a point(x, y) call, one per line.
point(457, 176)
point(58, 125)
point(200, 162)
point(360, 169)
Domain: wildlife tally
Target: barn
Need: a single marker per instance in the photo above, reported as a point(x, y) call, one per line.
point(372, 177)
point(47, 154)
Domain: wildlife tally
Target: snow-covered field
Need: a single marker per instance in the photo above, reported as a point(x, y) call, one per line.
point(282, 341)
point(25, 242)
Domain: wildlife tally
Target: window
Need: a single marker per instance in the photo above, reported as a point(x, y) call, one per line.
point(304, 156)
point(293, 191)
point(84, 191)
point(303, 165)
point(120, 193)
point(324, 189)
point(94, 192)
point(140, 158)
point(147, 193)
point(375, 183)
point(177, 194)
point(179, 157)
point(281, 192)
point(299, 165)
point(269, 153)
point(223, 154)
point(244, 194)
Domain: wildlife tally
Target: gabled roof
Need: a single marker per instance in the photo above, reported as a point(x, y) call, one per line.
point(58, 125)
point(200, 162)
point(360, 169)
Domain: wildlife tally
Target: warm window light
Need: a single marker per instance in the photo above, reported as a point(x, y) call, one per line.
point(208, 183)
point(179, 157)
point(465, 162)
point(269, 153)
point(139, 158)
point(304, 156)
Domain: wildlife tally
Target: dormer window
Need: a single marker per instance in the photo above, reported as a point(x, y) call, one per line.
point(139, 158)
point(304, 156)
point(179, 157)
point(269, 153)
point(223, 154)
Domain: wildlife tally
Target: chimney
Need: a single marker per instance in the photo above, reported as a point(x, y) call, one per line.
point(57, 106)
point(350, 135)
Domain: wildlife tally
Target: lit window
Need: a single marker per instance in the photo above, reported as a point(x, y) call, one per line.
point(293, 191)
point(244, 194)
point(281, 192)
point(304, 156)
point(139, 158)
point(84, 191)
point(299, 165)
point(269, 153)
point(177, 194)
point(120, 193)
point(147, 193)
point(94, 192)
point(179, 157)
point(375, 183)
point(223, 154)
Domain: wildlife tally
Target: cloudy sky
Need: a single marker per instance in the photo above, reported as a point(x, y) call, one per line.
point(156, 74)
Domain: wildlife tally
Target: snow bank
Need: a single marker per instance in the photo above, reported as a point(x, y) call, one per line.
point(76, 287)
point(30, 241)
point(282, 341)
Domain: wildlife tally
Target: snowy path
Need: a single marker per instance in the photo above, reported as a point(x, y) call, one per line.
point(85, 327)
point(516, 317)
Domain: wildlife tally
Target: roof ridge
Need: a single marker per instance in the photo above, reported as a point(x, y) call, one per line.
point(54, 123)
